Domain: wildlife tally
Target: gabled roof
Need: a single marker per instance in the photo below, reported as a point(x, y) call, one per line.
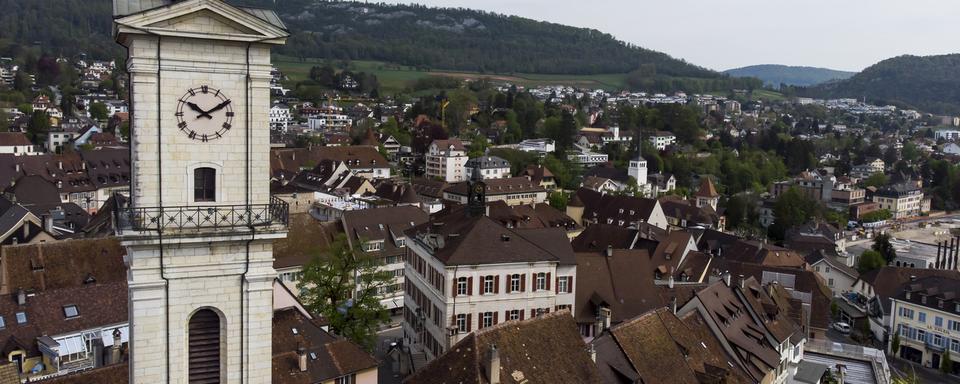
point(13, 139)
point(162, 17)
point(328, 356)
point(602, 207)
point(458, 239)
point(544, 349)
point(886, 281)
point(707, 189)
point(385, 224)
point(528, 216)
point(504, 186)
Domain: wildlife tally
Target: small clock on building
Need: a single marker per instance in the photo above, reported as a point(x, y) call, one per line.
point(204, 113)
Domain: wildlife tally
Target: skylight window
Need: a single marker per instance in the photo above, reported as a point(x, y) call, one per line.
point(3, 323)
point(21, 317)
point(313, 356)
point(70, 311)
point(295, 331)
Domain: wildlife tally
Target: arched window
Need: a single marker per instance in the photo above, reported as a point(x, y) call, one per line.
point(204, 347)
point(204, 184)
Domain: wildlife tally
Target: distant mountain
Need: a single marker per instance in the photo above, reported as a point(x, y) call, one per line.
point(773, 74)
point(928, 83)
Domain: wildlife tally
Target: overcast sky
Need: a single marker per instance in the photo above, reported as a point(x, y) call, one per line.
point(839, 34)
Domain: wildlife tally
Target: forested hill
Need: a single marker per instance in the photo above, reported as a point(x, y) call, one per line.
point(928, 83)
point(435, 38)
point(774, 75)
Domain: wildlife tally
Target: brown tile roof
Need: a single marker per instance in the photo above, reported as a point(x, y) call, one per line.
point(458, 239)
point(804, 281)
point(544, 349)
point(444, 145)
point(429, 188)
point(290, 161)
point(397, 193)
point(13, 138)
point(113, 374)
point(328, 357)
point(537, 172)
point(306, 238)
point(510, 185)
point(530, 216)
point(707, 189)
point(752, 251)
point(600, 207)
point(386, 224)
point(663, 348)
point(685, 210)
point(61, 264)
point(886, 281)
point(597, 237)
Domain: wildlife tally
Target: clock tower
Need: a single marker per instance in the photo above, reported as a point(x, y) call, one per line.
point(199, 223)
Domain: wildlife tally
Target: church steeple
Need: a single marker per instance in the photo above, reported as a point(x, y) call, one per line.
point(638, 168)
point(476, 196)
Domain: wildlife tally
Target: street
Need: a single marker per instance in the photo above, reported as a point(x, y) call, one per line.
point(385, 338)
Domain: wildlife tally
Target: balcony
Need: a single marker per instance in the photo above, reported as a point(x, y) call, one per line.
point(143, 219)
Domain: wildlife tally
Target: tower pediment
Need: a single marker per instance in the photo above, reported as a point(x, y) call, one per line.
point(204, 19)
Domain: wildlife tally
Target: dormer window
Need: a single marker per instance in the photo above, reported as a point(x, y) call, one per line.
point(70, 311)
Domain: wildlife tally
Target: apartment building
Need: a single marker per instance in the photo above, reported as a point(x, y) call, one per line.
point(446, 160)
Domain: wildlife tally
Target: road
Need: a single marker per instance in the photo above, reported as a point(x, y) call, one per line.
point(386, 372)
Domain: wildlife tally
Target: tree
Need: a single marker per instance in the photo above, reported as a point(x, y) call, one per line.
point(558, 200)
point(870, 260)
point(946, 365)
point(882, 244)
point(38, 127)
point(876, 180)
point(342, 285)
point(881, 214)
point(98, 111)
point(895, 343)
point(792, 208)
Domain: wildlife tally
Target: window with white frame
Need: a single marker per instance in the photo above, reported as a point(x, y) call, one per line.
point(515, 283)
point(487, 319)
point(955, 345)
point(906, 312)
point(488, 285)
point(461, 286)
point(514, 314)
point(541, 282)
point(563, 285)
point(462, 323)
point(348, 379)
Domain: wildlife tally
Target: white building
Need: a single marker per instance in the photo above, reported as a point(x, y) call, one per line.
point(587, 157)
point(466, 272)
point(947, 134)
point(488, 167)
point(537, 145)
point(661, 140)
point(16, 143)
point(446, 160)
point(638, 171)
point(329, 121)
point(926, 316)
point(279, 117)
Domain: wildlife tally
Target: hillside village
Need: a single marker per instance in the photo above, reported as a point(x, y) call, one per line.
point(520, 234)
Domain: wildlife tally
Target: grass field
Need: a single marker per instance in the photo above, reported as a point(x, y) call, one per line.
point(394, 78)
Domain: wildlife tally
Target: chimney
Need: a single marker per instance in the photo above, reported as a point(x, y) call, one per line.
point(743, 282)
point(593, 353)
point(670, 282)
point(726, 278)
point(913, 278)
point(673, 304)
point(115, 351)
point(494, 365)
point(18, 167)
point(302, 355)
point(60, 164)
point(21, 297)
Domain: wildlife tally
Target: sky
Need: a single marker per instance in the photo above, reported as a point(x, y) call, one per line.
point(839, 34)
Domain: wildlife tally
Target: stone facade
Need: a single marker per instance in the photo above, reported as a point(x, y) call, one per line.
point(175, 273)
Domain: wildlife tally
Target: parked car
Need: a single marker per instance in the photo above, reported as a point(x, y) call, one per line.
point(842, 327)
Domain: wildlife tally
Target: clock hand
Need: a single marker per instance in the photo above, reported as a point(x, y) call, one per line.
point(219, 107)
point(199, 110)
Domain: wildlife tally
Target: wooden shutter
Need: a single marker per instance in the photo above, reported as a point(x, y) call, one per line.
point(570, 284)
point(469, 285)
point(509, 283)
point(556, 285)
point(496, 284)
point(454, 292)
point(547, 281)
point(533, 312)
point(523, 282)
point(469, 322)
point(496, 315)
point(521, 314)
point(204, 347)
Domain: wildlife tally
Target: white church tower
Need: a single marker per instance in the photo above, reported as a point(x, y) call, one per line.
point(638, 171)
point(199, 223)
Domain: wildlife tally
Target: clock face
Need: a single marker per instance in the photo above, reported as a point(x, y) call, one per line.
point(478, 188)
point(204, 113)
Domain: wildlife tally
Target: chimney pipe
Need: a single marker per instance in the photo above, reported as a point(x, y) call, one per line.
point(673, 305)
point(302, 355)
point(726, 278)
point(593, 353)
point(494, 365)
point(743, 282)
point(21, 297)
point(115, 351)
point(609, 250)
point(670, 282)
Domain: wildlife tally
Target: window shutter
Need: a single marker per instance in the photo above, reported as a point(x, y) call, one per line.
point(506, 315)
point(556, 284)
point(496, 284)
point(570, 284)
point(521, 314)
point(469, 285)
point(495, 316)
point(523, 282)
point(469, 322)
point(204, 347)
point(454, 291)
point(547, 282)
point(453, 320)
point(508, 284)
point(533, 312)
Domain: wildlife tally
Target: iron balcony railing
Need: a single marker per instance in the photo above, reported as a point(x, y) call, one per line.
point(277, 212)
